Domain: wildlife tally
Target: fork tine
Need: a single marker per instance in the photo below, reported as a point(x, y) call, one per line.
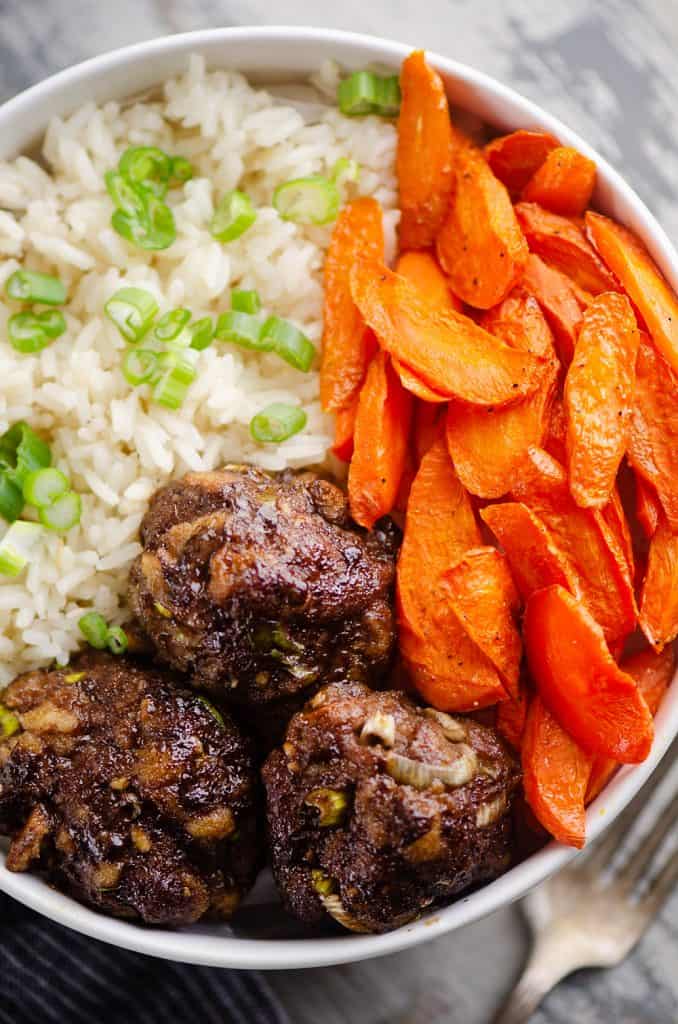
point(662, 886)
point(632, 871)
point(604, 849)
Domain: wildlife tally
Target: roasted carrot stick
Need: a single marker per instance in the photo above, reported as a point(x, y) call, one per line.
point(484, 598)
point(583, 538)
point(555, 775)
point(381, 440)
point(648, 508)
point(480, 246)
point(425, 153)
point(512, 715)
point(659, 595)
point(427, 427)
point(653, 438)
point(347, 344)
point(447, 351)
point(561, 242)
point(599, 392)
point(579, 681)
point(630, 262)
point(516, 157)
point(563, 183)
point(652, 673)
point(557, 297)
point(488, 446)
point(344, 429)
point(421, 269)
point(445, 665)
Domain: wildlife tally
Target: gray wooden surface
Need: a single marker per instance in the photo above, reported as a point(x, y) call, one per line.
point(609, 69)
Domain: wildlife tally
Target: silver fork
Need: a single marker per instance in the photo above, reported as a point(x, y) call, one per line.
point(594, 912)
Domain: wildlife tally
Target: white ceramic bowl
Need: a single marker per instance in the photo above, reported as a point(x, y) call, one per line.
point(270, 54)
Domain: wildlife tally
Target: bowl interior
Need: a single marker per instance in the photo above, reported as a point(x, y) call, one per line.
point(279, 55)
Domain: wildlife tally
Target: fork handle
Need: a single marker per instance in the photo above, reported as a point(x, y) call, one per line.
point(540, 975)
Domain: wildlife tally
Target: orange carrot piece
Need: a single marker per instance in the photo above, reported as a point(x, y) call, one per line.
point(447, 351)
point(511, 717)
point(381, 440)
point(426, 427)
point(344, 428)
point(563, 183)
point(488, 446)
point(514, 158)
point(421, 269)
point(535, 560)
point(659, 595)
point(561, 242)
point(416, 386)
point(631, 263)
point(653, 438)
point(555, 443)
point(648, 508)
point(444, 663)
point(583, 538)
point(480, 246)
point(579, 681)
point(614, 515)
point(558, 298)
point(424, 159)
point(555, 776)
point(484, 598)
point(652, 673)
point(599, 397)
point(347, 345)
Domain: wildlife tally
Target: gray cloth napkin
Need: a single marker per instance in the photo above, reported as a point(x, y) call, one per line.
point(51, 975)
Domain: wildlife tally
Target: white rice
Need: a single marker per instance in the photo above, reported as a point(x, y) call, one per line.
point(115, 446)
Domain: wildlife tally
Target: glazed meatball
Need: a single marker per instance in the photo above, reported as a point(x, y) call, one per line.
point(260, 587)
point(379, 809)
point(129, 793)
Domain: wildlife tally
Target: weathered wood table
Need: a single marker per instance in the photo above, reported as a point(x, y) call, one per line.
point(609, 69)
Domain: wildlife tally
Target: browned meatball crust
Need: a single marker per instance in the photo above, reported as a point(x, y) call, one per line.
point(378, 809)
point(129, 793)
point(259, 586)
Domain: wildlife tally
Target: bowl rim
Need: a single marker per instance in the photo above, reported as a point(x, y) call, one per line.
point(201, 947)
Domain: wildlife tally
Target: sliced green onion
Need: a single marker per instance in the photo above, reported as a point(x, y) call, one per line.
point(11, 499)
point(277, 422)
point(116, 640)
point(182, 169)
point(289, 343)
point(22, 452)
point(345, 170)
point(31, 286)
point(201, 333)
point(245, 301)
point(147, 166)
point(31, 332)
point(63, 513)
point(151, 228)
point(9, 723)
point(171, 324)
point(126, 195)
point(214, 712)
point(132, 310)
point(233, 216)
point(366, 93)
point(242, 329)
point(94, 629)
point(43, 486)
point(177, 374)
point(313, 200)
point(139, 365)
point(16, 546)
